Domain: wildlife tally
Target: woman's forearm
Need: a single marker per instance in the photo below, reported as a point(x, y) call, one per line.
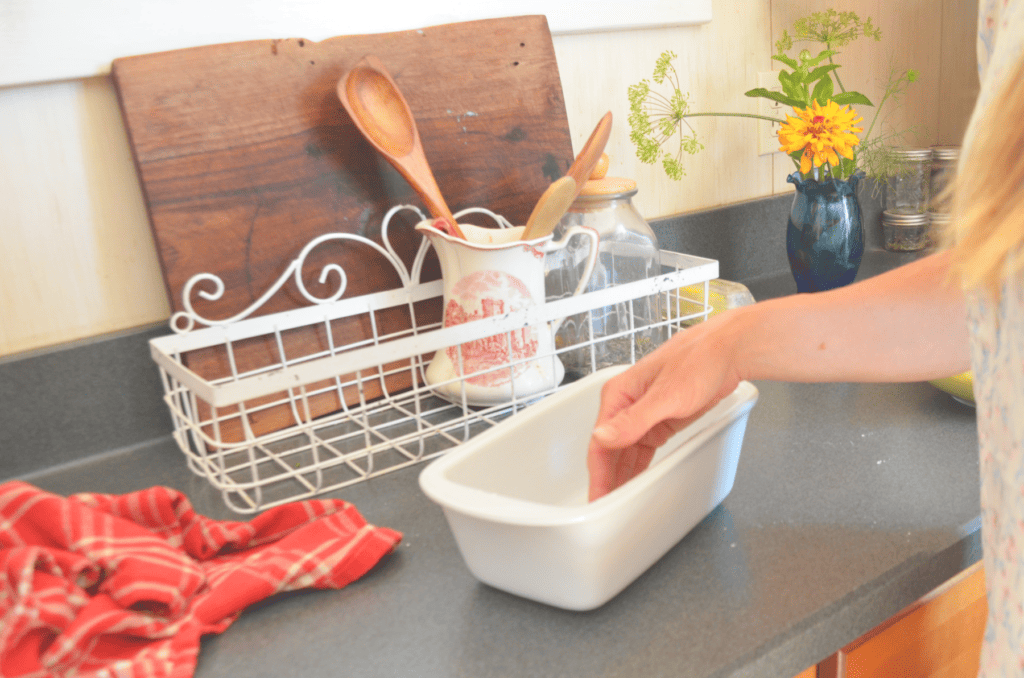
point(908, 324)
point(905, 325)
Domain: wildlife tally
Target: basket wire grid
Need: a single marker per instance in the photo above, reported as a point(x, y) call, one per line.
point(382, 416)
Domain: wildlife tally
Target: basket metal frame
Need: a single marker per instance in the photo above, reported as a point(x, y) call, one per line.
point(373, 436)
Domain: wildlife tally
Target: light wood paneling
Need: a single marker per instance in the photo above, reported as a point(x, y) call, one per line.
point(76, 255)
point(958, 88)
point(77, 258)
point(597, 70)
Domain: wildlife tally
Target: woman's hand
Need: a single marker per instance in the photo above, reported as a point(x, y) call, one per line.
point(644, 406)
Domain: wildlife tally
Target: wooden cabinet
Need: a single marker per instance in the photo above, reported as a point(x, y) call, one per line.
point(939, 636)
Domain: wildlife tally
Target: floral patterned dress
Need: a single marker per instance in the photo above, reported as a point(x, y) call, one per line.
point(997, 356)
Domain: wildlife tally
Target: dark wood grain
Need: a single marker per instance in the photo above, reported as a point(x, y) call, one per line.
point(245, 154)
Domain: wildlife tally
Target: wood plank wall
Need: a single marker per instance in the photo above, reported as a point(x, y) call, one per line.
point(77, 259)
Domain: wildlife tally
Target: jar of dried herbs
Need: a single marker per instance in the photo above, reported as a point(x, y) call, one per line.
point(905, 232)
point(907, 189)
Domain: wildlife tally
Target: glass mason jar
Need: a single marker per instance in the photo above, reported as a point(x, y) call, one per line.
point(613, 334)
point(944, 160)
point(905, 232)
point(907, 191)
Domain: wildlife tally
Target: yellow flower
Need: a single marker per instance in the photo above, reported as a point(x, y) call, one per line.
point(823, 133)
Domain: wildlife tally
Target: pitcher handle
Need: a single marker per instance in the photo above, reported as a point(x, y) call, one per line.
point(595, 241)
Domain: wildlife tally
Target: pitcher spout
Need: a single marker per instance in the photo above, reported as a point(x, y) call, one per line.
point(435, 228)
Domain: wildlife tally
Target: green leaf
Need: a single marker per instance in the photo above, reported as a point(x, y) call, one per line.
point(820, 71)
point(818, 59)
point(792, 63)
point(844, 98)
point(784, 43)
point(774, 96)
point(793, 88)
point(796, 156)
point(844, 169)
point(823, 90)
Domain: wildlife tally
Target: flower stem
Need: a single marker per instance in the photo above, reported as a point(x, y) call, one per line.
point(661, 99)
point(835, 72)
point(736, 115)
point(658, 108)
point(878, 111)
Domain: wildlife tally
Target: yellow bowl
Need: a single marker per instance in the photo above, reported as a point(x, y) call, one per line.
point(960, 386)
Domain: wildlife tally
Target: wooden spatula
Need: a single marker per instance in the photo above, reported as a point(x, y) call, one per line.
point(558, 196)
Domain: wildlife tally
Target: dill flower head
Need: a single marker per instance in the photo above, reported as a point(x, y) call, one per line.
point(821, 134)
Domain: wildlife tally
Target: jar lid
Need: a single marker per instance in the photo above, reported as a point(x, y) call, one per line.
point(898, 219)
point(608, 186)
point(913, 153)
point(939, 217)
point(598, 185)
point(945, 152)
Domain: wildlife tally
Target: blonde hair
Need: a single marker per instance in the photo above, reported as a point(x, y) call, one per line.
point(987, 225)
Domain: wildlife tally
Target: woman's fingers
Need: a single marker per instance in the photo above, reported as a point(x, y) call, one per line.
point(644, 406)
point(602, 465)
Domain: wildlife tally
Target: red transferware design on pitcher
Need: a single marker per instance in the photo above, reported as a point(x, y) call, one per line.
point(534, 251)
point(490, 293)
point(492, 272)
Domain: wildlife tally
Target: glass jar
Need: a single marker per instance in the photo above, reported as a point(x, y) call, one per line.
point(944, 161)
point(722, 295)
point(905, 232)
point(907, 190)
point(613, 334)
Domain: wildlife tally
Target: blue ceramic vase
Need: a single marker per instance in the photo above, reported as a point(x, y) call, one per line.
point(824, 237)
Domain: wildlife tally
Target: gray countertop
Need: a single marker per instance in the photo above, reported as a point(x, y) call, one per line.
point(850, 502)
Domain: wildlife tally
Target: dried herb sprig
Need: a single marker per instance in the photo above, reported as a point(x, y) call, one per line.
point(656, 118)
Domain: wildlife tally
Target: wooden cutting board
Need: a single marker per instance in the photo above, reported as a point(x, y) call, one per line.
point(245, 154)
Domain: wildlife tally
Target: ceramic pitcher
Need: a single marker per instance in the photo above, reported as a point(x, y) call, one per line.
point(488, 273)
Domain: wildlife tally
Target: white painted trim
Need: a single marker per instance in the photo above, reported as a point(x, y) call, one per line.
point(43, 40)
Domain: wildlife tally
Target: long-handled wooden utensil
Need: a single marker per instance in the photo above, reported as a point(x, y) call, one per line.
point(545, 215)
point(377, 107)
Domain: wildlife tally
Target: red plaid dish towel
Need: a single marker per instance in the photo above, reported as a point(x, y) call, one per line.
point(123, 586)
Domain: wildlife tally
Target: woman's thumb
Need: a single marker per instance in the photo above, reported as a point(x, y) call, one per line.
point(624, 429)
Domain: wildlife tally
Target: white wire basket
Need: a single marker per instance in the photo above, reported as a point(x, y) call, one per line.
point(300, 420)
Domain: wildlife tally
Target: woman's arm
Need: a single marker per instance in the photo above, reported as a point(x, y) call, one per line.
point(906, 325)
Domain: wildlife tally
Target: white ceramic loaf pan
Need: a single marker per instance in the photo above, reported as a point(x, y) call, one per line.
point(515, 497)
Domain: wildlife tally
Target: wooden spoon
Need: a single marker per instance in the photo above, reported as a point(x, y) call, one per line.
point(586, 161)
point(557, 198)
point(377, 107)
point(550, 208)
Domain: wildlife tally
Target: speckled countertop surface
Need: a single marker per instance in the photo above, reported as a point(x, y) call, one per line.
point(851, 502)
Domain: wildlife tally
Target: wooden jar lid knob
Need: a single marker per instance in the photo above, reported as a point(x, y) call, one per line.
point(599, 184)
